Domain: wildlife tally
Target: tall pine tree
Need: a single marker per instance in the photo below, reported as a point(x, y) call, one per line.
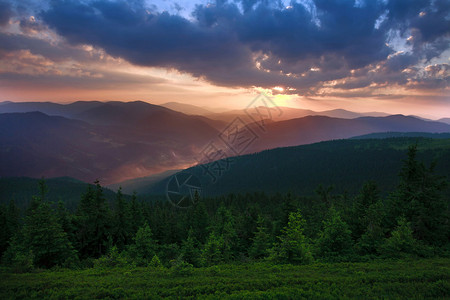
point(292, 246)
point(93, 223)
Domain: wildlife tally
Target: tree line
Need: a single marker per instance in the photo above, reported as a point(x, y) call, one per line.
point(413, 220)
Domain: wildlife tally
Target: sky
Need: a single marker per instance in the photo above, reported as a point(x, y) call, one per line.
point(363, 55)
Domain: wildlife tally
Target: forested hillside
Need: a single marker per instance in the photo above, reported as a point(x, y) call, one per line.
point(345, 164)
point(412, 220)
point(65, 189)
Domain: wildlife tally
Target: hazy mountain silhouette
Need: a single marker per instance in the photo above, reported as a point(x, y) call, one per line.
point(49, 108)
point(444, 120)
point(287, 113)
point(115, 113)
point(115, 141)
point(187, 108)
point(34, 144)
point(313, 129)
point(384, 135)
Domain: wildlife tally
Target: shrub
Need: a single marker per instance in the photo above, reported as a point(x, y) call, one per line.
point(401, 243)
point(181, 268)
point(113, 259)
point(22, 262)
point(155, 263)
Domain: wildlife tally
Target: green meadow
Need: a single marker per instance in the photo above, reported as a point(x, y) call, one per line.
point(381, 279)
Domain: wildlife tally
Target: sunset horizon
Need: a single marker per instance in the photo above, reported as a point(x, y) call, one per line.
point(395, 61)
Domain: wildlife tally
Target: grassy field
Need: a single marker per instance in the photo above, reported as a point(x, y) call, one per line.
point(412, 279)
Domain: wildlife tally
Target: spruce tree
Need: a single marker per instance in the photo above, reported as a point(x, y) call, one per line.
point(289, 206)
point(92, 222)
point(190, 250)
point(199, 221)
point(401, 243)
point(357, 219)
point(247, 223)
point(214, 249)
point(292, 246)
point(66, 220)
point(372, 238)
point(420, 199)
point(224, 229)
point(137, 216)
point(45, 237)
point(334, 242)
point(122, 221)
point(4, 233)
point(261, 241)
point(144, 247)
point(42, 235)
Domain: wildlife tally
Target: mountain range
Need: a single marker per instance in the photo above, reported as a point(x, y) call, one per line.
point(111, 142)
point(117, 141)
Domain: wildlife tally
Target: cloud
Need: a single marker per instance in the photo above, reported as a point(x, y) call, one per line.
point(28, 61)
point(259, 43)
point(308, 47)
point(5, 12)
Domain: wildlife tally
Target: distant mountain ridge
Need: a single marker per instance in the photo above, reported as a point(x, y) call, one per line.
point(384, 135)
point(288, 113)
point(115, 141)
point(49, 108)
point(187, 108)
point(35, 144)
point(444, 120)
point(312, 129)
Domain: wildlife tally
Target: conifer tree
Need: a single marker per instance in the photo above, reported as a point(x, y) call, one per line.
point(214, 250)
point(288, 207)
point(9, 224)
point(144, 247)
point(122, 221)
point(247, 223)
point(292, 246)
point(137, 216)
point(190, 249)
point(93, 223)
point(261, 241)
point(334, 242)
point(224, 229)
point(357, 219)
point(402, 242)
point(419, 198)
point(42, 234)
point(199, 221)
point(66, 220)
point(4, 234)
point(373, 236)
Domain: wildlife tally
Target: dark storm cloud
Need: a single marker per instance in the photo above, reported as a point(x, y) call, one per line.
point(147, 39)
point(5, 12)
point(258, 43)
